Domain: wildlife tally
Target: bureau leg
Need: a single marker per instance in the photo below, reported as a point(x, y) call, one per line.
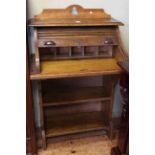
point(44, 145)
point(43, 135)
point(109, 83)
point(110, 132)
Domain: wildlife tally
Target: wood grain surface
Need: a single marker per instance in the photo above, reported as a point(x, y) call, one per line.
point(66, 17)
point(76, 68)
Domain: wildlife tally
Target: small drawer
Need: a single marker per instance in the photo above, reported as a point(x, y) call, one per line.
point(47, 53)
point(105, 51)
point(63, 52)
point(77, 51)
point(91, 51)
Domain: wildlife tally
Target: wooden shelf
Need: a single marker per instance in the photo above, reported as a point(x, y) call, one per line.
point(75, 123)
point(75, 68)
point(74, 95)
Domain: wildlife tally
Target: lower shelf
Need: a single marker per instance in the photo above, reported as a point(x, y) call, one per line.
point(75, 123)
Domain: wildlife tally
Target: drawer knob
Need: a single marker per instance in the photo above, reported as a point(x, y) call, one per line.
point(109, 41)
point(49, 43)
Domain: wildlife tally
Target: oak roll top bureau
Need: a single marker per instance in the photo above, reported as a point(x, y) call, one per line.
point(75, 43)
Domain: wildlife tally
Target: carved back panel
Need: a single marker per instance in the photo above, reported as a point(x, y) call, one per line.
point(73, 11)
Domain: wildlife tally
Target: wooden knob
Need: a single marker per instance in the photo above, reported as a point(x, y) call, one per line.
point(108, 41)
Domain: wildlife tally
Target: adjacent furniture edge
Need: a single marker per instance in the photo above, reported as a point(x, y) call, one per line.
point(31, 147)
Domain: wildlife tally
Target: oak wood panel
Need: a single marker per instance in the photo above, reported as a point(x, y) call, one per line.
point(63, 96)
point(74, 31)
point(75, 123)
point(76, 68)
point(62, 41)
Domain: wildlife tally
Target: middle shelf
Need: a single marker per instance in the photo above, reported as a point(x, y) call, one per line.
point(62, 96)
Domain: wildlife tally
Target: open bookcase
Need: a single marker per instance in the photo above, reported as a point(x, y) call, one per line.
point(69, 107)
point(62, 103)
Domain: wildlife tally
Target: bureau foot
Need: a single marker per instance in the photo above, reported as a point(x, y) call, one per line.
point(44, 145)
point(115, 151)
point(110, 132)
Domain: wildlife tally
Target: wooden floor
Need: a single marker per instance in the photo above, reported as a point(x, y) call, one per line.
point(97, 145)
